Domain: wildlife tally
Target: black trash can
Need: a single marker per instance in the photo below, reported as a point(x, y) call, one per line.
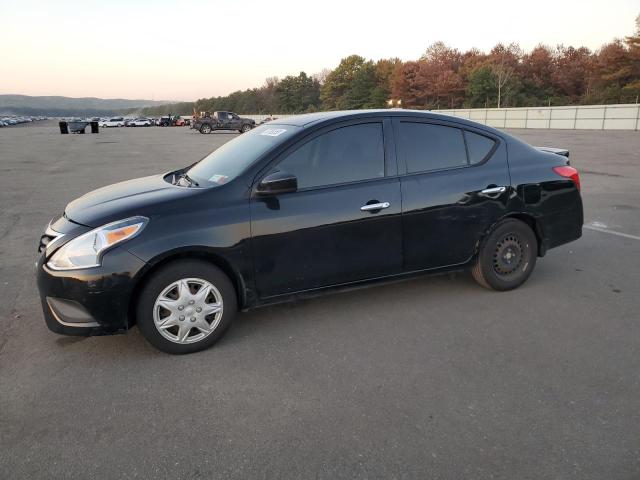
point(94, 127)
point(64, 128)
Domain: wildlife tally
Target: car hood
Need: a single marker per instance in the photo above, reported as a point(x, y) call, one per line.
point(139, 196)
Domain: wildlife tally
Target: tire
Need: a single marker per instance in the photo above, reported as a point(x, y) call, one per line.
point(206, 128)
point(507, 256)
point(245, 128)
point(187, 329)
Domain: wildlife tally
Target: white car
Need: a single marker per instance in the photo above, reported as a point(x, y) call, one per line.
point(113, 122)
point(142, 122)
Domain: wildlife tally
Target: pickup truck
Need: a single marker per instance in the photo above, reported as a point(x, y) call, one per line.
point(223, 121)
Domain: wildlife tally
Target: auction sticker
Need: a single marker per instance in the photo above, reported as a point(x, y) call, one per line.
point(273, 132)
point(219, 179)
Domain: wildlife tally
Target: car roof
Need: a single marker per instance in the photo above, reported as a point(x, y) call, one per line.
point(309, 119)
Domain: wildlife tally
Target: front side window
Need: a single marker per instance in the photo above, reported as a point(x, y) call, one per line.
point(431, 147)
point(346, 154)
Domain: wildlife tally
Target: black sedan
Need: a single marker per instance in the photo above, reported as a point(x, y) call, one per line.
point(302, 205)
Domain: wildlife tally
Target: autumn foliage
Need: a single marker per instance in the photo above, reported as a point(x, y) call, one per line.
point(444, 77)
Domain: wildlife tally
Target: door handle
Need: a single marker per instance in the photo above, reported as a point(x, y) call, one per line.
point(489, 191)
point(375, 206)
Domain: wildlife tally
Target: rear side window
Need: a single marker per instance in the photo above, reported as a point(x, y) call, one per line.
point(478, 146)
point(343, 155)
point(431, 147)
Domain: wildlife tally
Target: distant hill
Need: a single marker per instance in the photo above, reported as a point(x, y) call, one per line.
point(67, 106)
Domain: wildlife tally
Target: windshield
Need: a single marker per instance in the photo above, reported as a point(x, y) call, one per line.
point(234, 157)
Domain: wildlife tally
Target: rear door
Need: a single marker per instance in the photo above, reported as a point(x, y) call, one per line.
point(223, 119)
point(455, 186)
point(327, 232)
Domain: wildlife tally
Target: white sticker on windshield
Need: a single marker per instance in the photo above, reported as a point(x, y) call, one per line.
point(273, 132)
point(220, 179)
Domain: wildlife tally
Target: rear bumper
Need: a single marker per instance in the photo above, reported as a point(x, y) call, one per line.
point(93, 301)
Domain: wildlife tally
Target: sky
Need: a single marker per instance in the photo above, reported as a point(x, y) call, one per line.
point(190, 49)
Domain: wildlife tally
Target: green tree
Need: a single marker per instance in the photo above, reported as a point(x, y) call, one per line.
point(298, 94)
point(481, 90)
point(360, 91)
point(339, 81)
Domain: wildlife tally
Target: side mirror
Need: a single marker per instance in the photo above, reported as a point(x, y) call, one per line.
point(276, 183)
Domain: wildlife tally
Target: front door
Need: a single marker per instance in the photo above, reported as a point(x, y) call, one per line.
point(234, 122)
point(329, 232)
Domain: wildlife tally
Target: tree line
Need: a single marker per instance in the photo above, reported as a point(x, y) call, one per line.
point(444, 77)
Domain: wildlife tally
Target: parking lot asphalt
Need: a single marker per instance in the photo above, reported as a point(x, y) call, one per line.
point(427, 378)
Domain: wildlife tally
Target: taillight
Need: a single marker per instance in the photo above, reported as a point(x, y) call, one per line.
point(569, 172)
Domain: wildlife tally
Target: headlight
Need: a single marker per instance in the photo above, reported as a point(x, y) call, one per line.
point(85, 251)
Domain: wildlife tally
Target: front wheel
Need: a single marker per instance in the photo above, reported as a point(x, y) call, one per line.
point(245, 128)
point(507, 256)
point(206, 128)
point(186, 307)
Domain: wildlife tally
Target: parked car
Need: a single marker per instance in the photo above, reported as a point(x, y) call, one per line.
point(314, 203)
point(113, 122)
point(141, 122)
point(223, 121)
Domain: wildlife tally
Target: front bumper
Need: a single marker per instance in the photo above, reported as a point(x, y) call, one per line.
point(92, 301)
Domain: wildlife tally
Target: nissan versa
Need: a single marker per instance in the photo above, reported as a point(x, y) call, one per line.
point(307, 203)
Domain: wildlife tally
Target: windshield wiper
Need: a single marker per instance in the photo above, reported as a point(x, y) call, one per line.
point(185, 176)
point(190, 180)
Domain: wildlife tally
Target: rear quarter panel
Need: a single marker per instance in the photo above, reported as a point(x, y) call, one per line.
point(553, 201)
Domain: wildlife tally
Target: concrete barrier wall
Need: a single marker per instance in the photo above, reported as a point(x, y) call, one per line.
point(584, 117)
point(259, 117)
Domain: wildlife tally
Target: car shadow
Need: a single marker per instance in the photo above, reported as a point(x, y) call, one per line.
point(349, 305)
point(338, 311)
point(276, 320)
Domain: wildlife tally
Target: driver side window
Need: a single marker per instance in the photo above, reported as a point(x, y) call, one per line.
point(346, 154)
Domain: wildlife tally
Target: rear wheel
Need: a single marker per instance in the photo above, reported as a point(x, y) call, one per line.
point(507, 256)
point(186, 307)
point(206, 128)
